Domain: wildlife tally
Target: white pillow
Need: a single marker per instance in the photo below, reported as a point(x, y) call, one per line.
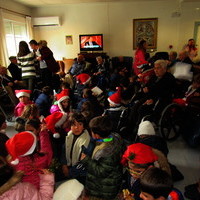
point(183, 71)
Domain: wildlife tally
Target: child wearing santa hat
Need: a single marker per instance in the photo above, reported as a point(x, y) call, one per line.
point(11, 186)
point(62, 102)
point(25, 156)
point(115, 110)
point(24, 99)
point(137, 159)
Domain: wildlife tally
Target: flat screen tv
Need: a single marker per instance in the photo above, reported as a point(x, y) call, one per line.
point(91, 42)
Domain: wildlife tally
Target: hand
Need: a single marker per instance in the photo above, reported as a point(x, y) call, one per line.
point(65, 170)
point(82, 156)
point(10, 84)
point(127, 195)
point(148, 102)
point(145, 90)
point(39, 58)
point(43, 127)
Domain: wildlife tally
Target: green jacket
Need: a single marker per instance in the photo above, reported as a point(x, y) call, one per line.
point(104, 171)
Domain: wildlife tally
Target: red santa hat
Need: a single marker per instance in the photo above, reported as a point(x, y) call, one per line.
point(139, 154)
point(55, 120)
point(64, 94)
point(83, 78)
point(115, 98)
point(22, 93)
point(21, 144)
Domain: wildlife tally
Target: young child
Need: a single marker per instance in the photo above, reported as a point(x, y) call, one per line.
point(3, 136)
point(76, 138)
point(24, 99)
point(62, 103)
point(30, 112)
point(26, 157)
point(115, 110)
point(137, 159)
point(12, 188)
point(104, 172)
point(155, 184)
point(44, 101)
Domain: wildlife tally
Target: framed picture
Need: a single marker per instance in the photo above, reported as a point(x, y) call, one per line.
point(69, 39)
point(145, 29)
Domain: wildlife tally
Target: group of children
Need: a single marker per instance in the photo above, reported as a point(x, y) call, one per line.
point(60, 141)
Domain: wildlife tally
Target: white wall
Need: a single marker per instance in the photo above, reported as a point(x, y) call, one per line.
point(115, 21)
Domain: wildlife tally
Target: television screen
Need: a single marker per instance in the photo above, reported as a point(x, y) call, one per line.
point(92, 42)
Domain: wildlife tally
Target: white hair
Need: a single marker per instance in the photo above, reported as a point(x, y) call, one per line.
point(162, 63)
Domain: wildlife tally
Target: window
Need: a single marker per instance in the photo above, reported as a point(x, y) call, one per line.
point(14, 32)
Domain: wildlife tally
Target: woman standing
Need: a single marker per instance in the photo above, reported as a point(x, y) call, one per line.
point(26, 61)
point(140, 55)
point(50, 66)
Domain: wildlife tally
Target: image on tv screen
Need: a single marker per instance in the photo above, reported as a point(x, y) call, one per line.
point(91, 42)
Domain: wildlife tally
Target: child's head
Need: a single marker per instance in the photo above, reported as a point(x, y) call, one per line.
point(30, 111)
point(6, 171)
point(115, 99)
point(33, 125)
point(87, 93)
point(196, 81)
point(78, 123)
point(138, 158)
point(47, 90)
point(101, 127)
point(20, 145)
point(23, 95)
point(64, 85)
point(55, 121)
point(2, 122)
point(146, 129)
point(63, 100)
point(156, 184)
point(20, 124)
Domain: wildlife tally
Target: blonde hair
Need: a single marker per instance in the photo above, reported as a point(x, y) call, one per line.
point(43, 43)
point(30, 111)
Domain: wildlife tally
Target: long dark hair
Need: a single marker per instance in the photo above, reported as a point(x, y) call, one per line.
point(23, 49)
point(141, 45)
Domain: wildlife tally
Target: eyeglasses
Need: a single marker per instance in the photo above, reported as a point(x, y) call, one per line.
point(134, 172)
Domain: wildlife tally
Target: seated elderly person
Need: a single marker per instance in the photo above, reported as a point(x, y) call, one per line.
point(156, 94)
point(80, 66)
point(8, 83)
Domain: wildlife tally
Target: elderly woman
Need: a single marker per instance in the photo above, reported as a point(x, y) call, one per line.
point(50, 65)
point(156, 94)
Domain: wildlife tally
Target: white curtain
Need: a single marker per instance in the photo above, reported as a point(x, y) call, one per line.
point(3, 49)
point(29, 28)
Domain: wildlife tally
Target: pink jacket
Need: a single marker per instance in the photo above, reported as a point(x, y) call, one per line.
point(19, 108)
point(32, 164)
point(27, 191)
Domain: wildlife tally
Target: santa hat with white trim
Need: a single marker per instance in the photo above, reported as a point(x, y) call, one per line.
point(115, 98)
point(83, 78)
point(21, 144)
point(22, 93)
point(55, 120)
point(64, 94)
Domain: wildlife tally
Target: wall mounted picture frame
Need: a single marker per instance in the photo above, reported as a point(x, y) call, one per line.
point(145, 29)
point(69, 39)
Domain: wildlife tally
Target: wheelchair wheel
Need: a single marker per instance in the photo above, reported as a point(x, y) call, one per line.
point(171, 121)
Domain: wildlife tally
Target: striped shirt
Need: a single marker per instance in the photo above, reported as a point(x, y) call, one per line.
point(27, 64)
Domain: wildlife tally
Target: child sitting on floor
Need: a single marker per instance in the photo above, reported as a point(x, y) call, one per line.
point(26, 156)
point(11, 186)
point(24, 99)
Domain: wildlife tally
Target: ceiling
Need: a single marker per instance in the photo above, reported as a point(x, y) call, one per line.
point(37, 3)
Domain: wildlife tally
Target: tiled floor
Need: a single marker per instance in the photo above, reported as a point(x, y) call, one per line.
point(186, 159)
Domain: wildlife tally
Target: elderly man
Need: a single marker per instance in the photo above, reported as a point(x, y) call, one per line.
point(157, 93)
point(79, 66)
